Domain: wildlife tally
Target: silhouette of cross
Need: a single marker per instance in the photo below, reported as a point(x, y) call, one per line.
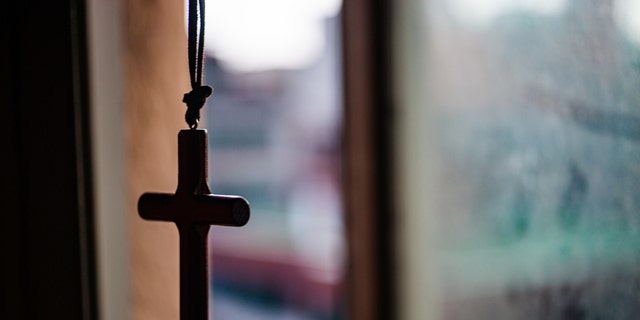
point(193, 209)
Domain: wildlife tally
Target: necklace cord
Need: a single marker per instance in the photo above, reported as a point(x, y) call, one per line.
point(196, 98)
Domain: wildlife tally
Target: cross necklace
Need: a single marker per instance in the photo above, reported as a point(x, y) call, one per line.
point(192, 207)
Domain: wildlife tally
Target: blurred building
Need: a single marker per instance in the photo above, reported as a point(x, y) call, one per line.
point(275, 139)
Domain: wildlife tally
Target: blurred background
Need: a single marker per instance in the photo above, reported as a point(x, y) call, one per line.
point(275, 138)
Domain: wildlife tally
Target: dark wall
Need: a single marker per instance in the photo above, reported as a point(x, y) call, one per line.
point(46, 236)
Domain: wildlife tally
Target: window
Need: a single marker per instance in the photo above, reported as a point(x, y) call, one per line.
point(519, 159)
point(274, 132)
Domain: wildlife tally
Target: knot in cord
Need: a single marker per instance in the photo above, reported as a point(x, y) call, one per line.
point(195, 100)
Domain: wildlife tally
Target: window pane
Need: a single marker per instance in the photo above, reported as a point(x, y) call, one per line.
point(519, 158)
point(274, 137)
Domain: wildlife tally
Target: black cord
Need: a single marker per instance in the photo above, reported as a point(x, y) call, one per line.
point(196, 98)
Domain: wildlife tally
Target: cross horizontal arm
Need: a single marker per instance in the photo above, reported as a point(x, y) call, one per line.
point(208, 209)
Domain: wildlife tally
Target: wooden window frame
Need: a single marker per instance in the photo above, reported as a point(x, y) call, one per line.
point(367, 149)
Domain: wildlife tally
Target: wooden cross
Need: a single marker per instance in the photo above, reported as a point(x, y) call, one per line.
point(193, 209)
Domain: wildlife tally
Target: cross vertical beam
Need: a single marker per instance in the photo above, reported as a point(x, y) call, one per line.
point(193, 209)
point(194, 293)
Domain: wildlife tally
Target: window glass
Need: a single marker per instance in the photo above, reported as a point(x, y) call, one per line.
point(274, 124)
point(519, 131)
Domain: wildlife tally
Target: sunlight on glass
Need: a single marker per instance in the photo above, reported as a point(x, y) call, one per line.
point(627, 16)
point(256, 35)
point(482, 12)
